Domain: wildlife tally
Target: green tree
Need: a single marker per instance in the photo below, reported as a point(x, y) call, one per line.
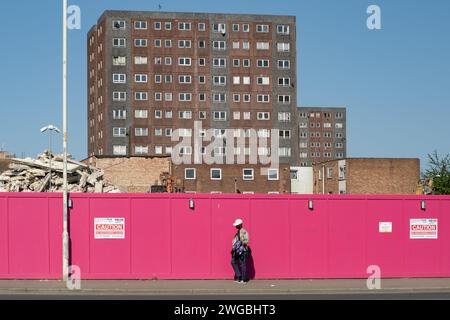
point(439, 173)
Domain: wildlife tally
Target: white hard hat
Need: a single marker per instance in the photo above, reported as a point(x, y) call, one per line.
point(238, 222)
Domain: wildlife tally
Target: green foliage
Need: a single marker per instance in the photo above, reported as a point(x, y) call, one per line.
point(439, 173)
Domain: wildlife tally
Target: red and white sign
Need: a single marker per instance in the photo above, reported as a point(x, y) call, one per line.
point(109, 228)
point(423, 228)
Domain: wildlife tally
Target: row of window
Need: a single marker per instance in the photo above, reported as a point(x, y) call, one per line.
point(337, 145)
point(120, 132)
point(120, 114)
point(337, 135)
point(304, 115)
point(121, 78)
point(187, 26)
point(217, 97)
point(217, 45)
point(338, 155)
point(216, 174)
point(217, 62)
point(326, 125)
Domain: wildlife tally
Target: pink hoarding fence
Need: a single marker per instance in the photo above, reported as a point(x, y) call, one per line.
point(164, 237)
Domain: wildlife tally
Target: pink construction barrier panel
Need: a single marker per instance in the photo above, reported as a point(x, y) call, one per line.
point(160, 237)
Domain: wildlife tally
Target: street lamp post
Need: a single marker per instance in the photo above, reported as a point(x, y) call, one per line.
point(50, 129)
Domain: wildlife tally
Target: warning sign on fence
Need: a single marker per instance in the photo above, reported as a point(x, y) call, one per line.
point(109, 228)
point(423, 228)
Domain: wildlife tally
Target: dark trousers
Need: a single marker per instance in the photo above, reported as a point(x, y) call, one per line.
point(239, 263)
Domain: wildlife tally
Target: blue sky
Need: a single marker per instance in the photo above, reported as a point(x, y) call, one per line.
point(395, 82)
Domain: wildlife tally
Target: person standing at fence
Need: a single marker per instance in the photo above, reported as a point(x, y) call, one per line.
point(240, 252)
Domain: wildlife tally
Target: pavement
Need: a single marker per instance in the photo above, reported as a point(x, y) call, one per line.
point(214, 289)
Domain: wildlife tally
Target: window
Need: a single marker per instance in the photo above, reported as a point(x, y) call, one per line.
point(339, 155)
point(190, 174)
point(169, 150)
point(158, 96)
point(184, 44)
point(339, 115)
point(339, 145)
point(219, 45)
point(283, 47)
point(247, 98)
point(235, 27)
point(216, 174)
point(158, 78)
point(236, 116)
point(186, 151)
point(236, 97)
point(168, 114)
point(141, 96)
point(157, 26)
point(202, 44)
point(140, 43)
point(141, 114)
point(263, 63)
point(119, 61)
point(220, 116)
point(263, 98)
point(184, 26)
point(339, 135)
point(119, 132)
point(263, 133)
point(263, 116)
point(119, 24)
point(158, 114)
point(285, 134)
point(202, 115)
point(284, 152)
point(246, 27)
point(246, 45)
point(167, 26)
point(262, 46)
point(184, 79)
point(168, 61)
point(220, 80)
point(237, 80)
point(168, 43)
point(284, 99)
point(158, 132)
point(339, 125)
point(141, 132)
point(120, 150)
point(236, 63)
point(119, 96)
point(284, 82)
point(246, 80)
point(246, 63)
point(139, 150)
point(185, 97)
point(220, 97)
point(140, 25)
point(284, 116)
point(119, 78)
point(202, 97)
point(168, 96)
point(140, 60)
point(185, 114)
point(202, 26)
point(236, 45)
point(140, 78)
point(284, 64)
point(119, 114)
point(248, 174)
point(219, 62)
point(283, 29)
point(272, 174)
point(263, 81)
point(119, 42)
point(184, 61)
point(262, 28)
point(247, 115)
point(202, 79)
point(168, 78)
point(202, 62)
point(220, 28)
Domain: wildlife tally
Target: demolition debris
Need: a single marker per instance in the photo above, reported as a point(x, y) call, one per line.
point(28, 175)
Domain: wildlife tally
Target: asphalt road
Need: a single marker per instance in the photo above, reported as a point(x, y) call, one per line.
point(330, 296)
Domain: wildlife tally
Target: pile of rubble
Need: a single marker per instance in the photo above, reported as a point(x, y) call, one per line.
point(28, 175)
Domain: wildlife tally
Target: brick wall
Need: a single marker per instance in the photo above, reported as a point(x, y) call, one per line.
point(132, 175)
point(259, 185)
point(382, 176)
